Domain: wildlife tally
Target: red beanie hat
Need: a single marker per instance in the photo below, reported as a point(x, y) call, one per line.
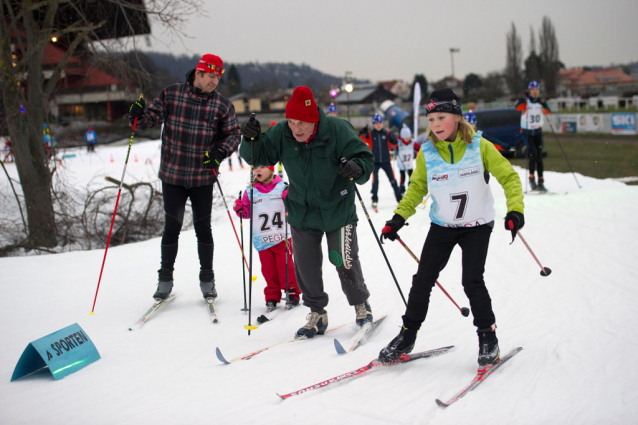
point(271, 168)
point(302, 106)
point(212, 64)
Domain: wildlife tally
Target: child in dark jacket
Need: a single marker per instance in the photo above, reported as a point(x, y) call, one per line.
point(270, 230)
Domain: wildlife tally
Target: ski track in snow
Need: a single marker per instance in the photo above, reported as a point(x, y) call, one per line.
point(578, 365)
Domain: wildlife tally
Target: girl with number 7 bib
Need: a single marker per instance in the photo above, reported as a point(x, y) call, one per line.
point(454, 166)
point(269, 234)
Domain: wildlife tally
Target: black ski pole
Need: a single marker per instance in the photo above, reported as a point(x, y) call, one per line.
point(561, 148)
point(464, 311)
point(249, 326)
point(241, 232)
point(343, 161)
point(286, 236)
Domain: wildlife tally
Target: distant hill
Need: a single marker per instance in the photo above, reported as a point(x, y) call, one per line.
point(255, 77)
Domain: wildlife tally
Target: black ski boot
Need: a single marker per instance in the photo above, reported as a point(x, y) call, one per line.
point(401, 344)
point(541, 184)
point(489, 353)
point(164, 284)
point(532, 183)
point(207, 284)
point(271, 305)
point(293, 301)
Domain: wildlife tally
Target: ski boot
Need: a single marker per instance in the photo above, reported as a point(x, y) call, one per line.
point(293, 301)
point(541, 184)
point(271, 305)
point(317, 325)
point(207, 284)
point(489, 353)
point(164, 284)
point(532, 183)
point(364, 313)
point(401, 344)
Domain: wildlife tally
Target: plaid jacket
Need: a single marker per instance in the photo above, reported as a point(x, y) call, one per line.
point(194, 123)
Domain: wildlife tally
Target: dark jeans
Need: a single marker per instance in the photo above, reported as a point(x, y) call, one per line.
point(175, 198)
point(387, 167)
point(535, 152)
point(474, 242)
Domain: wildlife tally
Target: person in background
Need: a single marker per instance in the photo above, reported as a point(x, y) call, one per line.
point(200, 131)
point(332, 110)
point(406, 151)
point(532, 109)
point(91, 139)
point(380, 141)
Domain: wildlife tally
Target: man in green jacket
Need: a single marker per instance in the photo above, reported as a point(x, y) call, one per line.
point(320, 199)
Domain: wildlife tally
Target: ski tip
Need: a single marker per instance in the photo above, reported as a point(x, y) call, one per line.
point(441, 404)
point(281, 396)
point(220, 357)
point(262, 319)
point(339, 347)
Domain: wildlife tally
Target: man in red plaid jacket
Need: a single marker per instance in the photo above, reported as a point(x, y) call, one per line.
point(200, 131)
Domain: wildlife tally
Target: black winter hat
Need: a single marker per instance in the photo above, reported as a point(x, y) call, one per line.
point(444, 100)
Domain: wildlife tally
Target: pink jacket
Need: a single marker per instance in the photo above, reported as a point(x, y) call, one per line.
point(263, 188)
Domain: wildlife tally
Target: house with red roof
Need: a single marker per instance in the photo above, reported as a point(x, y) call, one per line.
point(590, 82)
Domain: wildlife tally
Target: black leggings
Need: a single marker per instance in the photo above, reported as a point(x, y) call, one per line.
point(175, 198)
point(535, 152)
point(440, 242)
point(402, 175)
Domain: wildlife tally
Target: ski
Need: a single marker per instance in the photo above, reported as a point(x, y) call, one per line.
point(373, 365)
point(480, 377)
point(156, 306)
point(358, 338)
point(211, 309)
point(274, 313)
point(249, 356)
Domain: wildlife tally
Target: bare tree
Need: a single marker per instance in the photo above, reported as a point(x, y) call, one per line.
point(513, 67)
point(549, 56)
point(533, 61)
point(81, 27)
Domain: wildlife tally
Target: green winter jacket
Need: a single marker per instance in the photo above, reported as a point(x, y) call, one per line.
point(319, 199)
point(493, 162)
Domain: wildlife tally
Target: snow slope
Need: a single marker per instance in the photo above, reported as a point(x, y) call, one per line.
point(577, 326)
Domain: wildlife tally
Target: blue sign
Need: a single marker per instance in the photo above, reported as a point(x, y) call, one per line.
point(623, 123)
point(63, 352)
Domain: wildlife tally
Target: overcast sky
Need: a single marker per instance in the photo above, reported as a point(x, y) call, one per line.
point(396, 39)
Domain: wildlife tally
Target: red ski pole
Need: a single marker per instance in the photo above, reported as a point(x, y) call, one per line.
point(464, 311)
point(545, 271)
point(117, 201)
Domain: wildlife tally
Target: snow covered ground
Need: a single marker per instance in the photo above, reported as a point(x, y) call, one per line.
point(577, 326)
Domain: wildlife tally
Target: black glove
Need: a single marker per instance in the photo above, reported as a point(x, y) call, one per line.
point(392, 227)
point(349, 169)
point(364, 130)
point(513, 222)
point(250, 129)
point(213, 159)
point(137, 109)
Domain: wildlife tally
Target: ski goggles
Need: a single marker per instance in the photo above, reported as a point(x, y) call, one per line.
point(216, 69)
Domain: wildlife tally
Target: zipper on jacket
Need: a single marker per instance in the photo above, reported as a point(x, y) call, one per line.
point(451, 152)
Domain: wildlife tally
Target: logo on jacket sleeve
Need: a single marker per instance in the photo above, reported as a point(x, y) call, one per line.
point(440, 177)
point(469, 172)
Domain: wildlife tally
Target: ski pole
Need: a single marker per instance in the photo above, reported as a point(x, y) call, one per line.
point(561, 148)
point(464, 311)
point(545, 271)
point(219, 186)
point(117, 201)
point(249, 326)
point(286, 236)
point(243, 269)
point(343, 161)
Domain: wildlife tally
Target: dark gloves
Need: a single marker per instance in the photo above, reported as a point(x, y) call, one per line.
point(364, 130)
point(513, 222)
point(137, 109)
point(213, 159)
point(250, 129)
point(349, 169)
point(392, 227)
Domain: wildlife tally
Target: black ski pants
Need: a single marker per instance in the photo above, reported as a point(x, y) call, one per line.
point(175, 198)
point(534, 144)
point(440, 242)
point(387, 167)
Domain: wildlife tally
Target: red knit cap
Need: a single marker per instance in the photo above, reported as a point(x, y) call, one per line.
point(271, 168)
point(212, 64)
point(302, 106)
